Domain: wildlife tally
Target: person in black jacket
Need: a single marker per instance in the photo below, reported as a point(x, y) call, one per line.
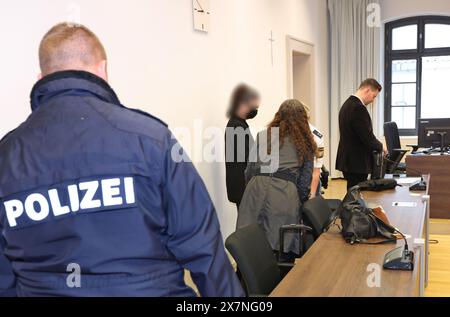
point(358, 142)
point(239, 140)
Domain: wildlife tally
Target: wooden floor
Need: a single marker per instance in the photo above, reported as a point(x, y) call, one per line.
point(439, 271)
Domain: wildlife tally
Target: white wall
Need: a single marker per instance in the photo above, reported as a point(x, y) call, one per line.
point(397, 9)
point(159, 64)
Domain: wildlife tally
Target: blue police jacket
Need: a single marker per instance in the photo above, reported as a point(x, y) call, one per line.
point(93, 203)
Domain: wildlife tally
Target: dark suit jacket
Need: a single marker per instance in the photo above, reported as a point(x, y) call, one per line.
point(235, 170)
point(357, 143)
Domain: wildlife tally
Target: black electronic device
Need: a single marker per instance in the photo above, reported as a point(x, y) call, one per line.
point(419, 187)
point(399, 259)
point(435, 134)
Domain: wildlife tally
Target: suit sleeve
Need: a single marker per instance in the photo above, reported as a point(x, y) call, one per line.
point(194, 232)
point(362, 126)
point(7, 277)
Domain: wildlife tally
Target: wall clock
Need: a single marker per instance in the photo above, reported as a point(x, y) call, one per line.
point(201, 15)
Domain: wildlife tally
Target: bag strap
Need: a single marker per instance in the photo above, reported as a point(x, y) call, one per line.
point(355, 239)
point(386, 241)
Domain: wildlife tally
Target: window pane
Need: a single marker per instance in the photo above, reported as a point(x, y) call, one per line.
point(404, 38)
point(403, 94)
point(437, 35)
point(435, 85)
point(405, 117)
point(404, 71)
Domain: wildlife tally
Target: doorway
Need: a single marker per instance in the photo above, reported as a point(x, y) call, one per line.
point(301, 81)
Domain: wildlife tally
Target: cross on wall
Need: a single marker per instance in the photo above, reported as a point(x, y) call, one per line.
point(271, 40)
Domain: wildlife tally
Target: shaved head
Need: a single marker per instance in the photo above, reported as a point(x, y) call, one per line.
point(70, 47)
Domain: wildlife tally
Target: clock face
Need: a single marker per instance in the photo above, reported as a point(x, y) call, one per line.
point(201, 15)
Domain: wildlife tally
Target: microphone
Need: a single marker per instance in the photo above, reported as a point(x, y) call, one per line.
point(404, 238)
point(394, 229)
point(400, 259)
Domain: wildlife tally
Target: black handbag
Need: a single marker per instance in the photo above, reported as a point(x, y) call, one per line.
point(359, 223)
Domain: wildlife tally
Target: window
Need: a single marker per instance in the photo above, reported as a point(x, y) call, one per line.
point(417, 71)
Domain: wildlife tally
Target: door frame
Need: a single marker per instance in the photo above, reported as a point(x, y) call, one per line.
point(295, 45)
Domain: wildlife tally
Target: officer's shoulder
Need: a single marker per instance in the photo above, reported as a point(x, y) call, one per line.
point(154, 119)
point(138, 122)
point(8, 135)
point(144, 123)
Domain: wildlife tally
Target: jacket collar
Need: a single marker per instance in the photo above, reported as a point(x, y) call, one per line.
point(359, 99)
point(72, 82)
point(235, 117)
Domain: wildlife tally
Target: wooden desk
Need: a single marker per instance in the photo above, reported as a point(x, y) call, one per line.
point(334, 268)
point(439, 188)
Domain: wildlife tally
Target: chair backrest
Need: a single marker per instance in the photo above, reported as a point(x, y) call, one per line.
point(317, 214)
point(392, 139)
point(255, 259)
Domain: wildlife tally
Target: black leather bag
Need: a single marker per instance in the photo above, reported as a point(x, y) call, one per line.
point(359, 223)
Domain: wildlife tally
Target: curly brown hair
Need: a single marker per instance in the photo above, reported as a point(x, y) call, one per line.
point(292, 120)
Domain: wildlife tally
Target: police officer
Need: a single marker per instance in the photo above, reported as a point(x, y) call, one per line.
point(92, 201)
point(318, 159)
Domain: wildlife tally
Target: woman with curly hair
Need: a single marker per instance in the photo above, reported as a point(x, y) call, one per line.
point(273, 197)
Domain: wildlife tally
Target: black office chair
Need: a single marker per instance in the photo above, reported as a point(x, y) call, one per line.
point(255, 259)
point(318, 216)
point(395, 151)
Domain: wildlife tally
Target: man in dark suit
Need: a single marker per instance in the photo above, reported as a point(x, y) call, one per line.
point(358, 142)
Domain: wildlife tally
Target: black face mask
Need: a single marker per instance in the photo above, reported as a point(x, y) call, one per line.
point(252, 114)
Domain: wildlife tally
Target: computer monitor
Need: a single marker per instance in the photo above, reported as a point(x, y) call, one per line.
point(434, 133)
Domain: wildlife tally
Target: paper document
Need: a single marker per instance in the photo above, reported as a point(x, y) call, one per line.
point(408, 180)
point(404, 204)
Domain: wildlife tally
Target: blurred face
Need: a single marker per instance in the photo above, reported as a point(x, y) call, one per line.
point(253, 104)
point(249, 110)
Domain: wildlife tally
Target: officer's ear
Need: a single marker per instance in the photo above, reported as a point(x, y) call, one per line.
point(101, 70)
